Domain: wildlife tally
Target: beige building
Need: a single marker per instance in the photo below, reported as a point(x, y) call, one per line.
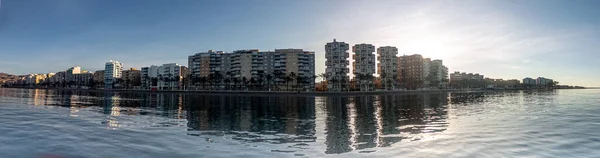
point(34, 79)
point(253, 64)
point(246, 64)
point(205, 63)
point(131, 78)
point(298, 62)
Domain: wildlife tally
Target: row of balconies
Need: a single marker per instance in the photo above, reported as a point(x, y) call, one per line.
point(328, 62)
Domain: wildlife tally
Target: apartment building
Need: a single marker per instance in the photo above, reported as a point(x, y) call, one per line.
point(364, 65)
point(34, 79)
point(82, 79)
point(149, 77)
point(253, 64)
point(299, 62)
point(437, 74)
point(71, 72)
point(387, 68)
point(543, 81)
point(336, 55)
point(246, 64)
point(131, 77)
point(99, 76)
point(166, 77)
point(112, 72)
point(58, 78)
point(205, 63)
point(529, 81)
point(410, 71)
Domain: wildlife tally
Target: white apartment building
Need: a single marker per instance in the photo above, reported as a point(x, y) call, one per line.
point(167, 76)
point(529, 81)
point(336, 55)
point(171, 74)
point(149, 76)
point(543, 81)
point(364, 65)
point(112, 72)
point(436, 74)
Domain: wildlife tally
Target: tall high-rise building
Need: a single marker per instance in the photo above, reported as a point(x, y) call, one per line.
point(246, 64)
point(167, 76)
point(292, 61)
point(171, 75)
point(253, 64)
point(336, 54)
point(364, 65)
point(206, 63)
point(388, 65)
point(112, 72)
point(437, 74)
point(131, 77)
point(410, 70)
point(149, 77)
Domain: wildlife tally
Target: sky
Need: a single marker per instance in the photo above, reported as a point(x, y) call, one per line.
point(508, 39)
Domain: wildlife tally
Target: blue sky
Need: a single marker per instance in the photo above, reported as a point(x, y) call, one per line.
point(500, 39)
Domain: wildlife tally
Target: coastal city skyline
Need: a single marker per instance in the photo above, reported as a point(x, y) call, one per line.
point(507, 46)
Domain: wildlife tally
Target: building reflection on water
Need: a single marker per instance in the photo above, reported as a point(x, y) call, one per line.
point(340, 123)
point(363, 122)
point(253, 119)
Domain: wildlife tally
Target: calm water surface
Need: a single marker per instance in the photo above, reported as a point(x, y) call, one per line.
point(38, 123)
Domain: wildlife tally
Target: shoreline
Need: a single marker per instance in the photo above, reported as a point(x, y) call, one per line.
point(275, 93)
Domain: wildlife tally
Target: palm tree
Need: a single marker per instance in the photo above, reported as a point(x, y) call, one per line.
point(287, 82)
point(269, 80)
point(177, 79)
point(253, 83)
point(369, 78)
point(300, 82)
point(203, 80)
point(218, 79)
point(293, 77)
point(384, 79)
point(279, 76)
point(260, 81)
point(244, 81)
point(169, 79)
point(159, 80)
point(324, 77)
point(236, 81)
point(227, 81)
